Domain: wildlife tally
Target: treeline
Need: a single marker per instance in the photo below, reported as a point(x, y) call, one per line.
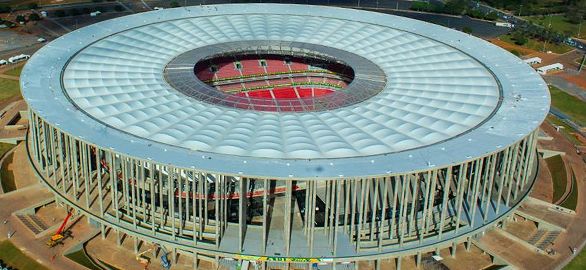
point(575, 10)
point(82, 11)
point(523, 32)
point(454, 7)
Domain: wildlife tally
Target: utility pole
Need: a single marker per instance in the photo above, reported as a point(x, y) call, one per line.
point(545, 39)
point(582, 63)
point(520, 7)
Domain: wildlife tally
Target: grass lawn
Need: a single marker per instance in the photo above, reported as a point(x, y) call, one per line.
point(4, 147)
point(81, 258)
point(566, 131)
point(558, 175)
point(568, 104)
point(7, 176)
point(8, 88)
point(14, 71)
point(12, 256)
point(572, 199)
point(558, 23)
point(537, 45)
point(578, 263)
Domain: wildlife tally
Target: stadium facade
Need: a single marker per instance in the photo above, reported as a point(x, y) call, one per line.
point(390, 137)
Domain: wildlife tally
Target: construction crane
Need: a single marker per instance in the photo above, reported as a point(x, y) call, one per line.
point(61, 234)
point(144, 260)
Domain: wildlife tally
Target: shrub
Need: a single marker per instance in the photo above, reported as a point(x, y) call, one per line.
point(5, 9)
point(20, 18)
point(34, 17)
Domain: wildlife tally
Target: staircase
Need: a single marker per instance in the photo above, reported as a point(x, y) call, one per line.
point(33, 223)
point(548, 239)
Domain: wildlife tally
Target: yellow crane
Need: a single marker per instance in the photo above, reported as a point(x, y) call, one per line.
point(61, 233)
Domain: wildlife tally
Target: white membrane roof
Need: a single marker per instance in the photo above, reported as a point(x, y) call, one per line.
point(448, 96)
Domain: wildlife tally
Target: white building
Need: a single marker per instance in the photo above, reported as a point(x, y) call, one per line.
point(532, 60)
point(18, 58)
point(545, 69)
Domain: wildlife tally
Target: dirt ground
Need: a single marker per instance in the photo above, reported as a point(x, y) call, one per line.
point(543, 189)
point(509, 46)
point(523, 229)
point(568, 59)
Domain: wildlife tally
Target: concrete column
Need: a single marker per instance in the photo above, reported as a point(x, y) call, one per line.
point(118, 239)
point(195, 260)
point(135, 244)
point(453, 250)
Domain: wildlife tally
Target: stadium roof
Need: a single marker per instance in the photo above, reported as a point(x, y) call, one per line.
point(448, 96)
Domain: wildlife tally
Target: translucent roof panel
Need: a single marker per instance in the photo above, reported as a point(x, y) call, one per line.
point(446, 96)
point(433, 91)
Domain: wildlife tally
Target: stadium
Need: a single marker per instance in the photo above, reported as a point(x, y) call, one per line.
point(288, 135)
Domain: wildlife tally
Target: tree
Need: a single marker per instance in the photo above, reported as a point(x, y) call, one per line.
point(20, 18)
point(455, 6)
point(34, 17)
point(33, 6)
point(467, 30)
point(520, 38)
point(5, 9)
point(492, 16)
point(174, 4)
point(576, 11)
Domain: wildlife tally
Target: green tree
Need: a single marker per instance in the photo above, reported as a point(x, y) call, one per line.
point(455, 6)
point(576, 12)
point(520, 38)
point(5, 9)
point(34, 17)
point(20, 18)
point(492, 16)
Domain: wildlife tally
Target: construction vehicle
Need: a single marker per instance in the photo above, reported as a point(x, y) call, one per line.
point(164, 261)
point(61, 233)
point(142, 259)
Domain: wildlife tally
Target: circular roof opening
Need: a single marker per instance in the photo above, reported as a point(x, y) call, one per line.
point(252, 75)
point(293, 83)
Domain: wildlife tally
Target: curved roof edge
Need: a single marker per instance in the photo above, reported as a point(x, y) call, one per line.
point(524, 106)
